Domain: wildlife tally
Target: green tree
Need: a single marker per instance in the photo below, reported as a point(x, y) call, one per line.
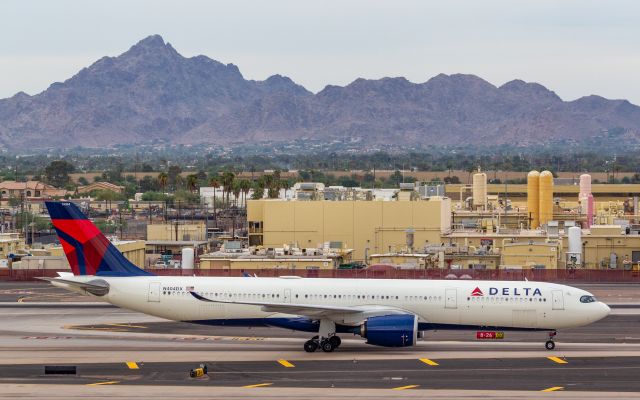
point(215, 184)
point(114, 174)
point(226, 180)
point(258, 189)
point(163, 179)
point(245, 187)
point(57, 172)
point(102, 195)
point(192, 183)
point(236, 191)
point(173, 174)
point(154, 196)
point(147, 184)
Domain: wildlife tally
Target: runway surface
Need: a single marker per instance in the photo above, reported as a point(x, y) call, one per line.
point(115, 349)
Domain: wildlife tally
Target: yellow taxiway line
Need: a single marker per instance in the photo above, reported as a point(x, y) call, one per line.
point(429, 362)
point(129, 326)
point(285, 363)
point(103, 383)
point(258, 385)
point(132, 365)
point(553, 389)
point(558, 360)
point(405, 387)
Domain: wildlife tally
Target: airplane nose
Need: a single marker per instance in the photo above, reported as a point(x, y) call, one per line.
point(606, 310)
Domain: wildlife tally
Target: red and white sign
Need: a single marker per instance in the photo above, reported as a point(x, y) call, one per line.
point(482, 335)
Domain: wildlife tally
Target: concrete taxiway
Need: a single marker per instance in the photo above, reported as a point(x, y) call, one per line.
point(127, 354)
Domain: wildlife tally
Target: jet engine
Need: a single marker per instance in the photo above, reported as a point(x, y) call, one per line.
point(396, 330)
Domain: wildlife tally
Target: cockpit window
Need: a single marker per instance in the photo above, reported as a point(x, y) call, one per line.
point(587, 299)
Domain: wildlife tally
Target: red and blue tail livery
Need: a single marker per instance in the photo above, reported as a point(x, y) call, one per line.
point(89, 252)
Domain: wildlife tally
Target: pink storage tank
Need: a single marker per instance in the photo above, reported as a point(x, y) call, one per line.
point(585, 186)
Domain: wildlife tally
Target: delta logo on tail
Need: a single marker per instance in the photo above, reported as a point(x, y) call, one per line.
point(477, 292)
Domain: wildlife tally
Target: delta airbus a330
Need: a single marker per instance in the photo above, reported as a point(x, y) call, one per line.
point(391, 313)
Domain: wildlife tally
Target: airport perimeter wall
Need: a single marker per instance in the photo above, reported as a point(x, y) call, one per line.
point(551, 275)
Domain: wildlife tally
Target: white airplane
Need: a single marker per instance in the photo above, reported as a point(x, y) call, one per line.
point(387, 312)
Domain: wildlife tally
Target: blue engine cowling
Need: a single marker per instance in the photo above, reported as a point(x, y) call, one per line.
point(396, 330)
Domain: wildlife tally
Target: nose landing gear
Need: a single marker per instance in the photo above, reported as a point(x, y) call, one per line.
point(550, 344)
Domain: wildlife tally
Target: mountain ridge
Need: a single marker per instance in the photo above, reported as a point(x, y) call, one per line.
point(152, 94)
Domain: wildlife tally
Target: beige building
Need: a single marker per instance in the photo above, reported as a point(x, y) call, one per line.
point(99, 186)
point(133, 250)
point(29, 189)
point(527, 255)
point(10, 243)
point(171, 238)
point(177, 231)
point(209, 261)
point(366, 226)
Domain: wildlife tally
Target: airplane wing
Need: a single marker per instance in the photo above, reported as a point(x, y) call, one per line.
point(342, 314)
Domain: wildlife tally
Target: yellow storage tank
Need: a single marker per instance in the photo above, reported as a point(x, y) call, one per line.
point(546, 197)
point(479, 190)
point(533, 198)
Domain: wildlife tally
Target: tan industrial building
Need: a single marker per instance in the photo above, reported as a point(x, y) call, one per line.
point(177, 231)
point(368, 227)
point(10, 243)
point(53, 258)
point(171, 238)
point(248, 263)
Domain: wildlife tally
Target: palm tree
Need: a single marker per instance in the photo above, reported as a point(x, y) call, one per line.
point(227, 184)
point(245, 186)
point(192, 182)
point(236, 192)
point(163, 178)
point(215, 184)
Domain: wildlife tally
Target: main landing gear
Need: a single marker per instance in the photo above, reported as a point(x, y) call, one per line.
point(326, 340)
point(550, 344)
point(327, 345)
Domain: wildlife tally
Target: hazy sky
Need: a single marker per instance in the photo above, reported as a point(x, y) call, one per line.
point(575, 48)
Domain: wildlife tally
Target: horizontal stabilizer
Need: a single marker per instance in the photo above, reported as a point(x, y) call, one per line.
point(97, 287)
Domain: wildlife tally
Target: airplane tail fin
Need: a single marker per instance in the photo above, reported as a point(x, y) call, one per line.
point(89, 252)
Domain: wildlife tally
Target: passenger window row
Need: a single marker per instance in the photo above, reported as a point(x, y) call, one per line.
point(504, 299)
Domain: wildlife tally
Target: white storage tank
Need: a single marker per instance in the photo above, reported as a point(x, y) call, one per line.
point(479, 189)
point(575, 244)
point(188, 257)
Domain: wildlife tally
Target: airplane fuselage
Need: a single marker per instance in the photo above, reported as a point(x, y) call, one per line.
point(438, 304)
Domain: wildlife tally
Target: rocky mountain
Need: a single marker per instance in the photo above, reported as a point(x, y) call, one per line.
point(152, 94)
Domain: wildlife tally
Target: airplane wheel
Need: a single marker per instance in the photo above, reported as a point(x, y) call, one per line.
point(335, 341)
point(550, 345)
point(310, 346)
point(327, 346)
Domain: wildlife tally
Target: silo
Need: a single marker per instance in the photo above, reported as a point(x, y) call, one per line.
point(585, 186)
point(533, 196)
point(479, 189)
point(546, 197)
point(575, 245)
point(188, 256)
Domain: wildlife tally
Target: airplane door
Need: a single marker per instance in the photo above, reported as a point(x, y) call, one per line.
point(451, 298)
point(558, 300)
point(287, 295)
point(154, 292)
